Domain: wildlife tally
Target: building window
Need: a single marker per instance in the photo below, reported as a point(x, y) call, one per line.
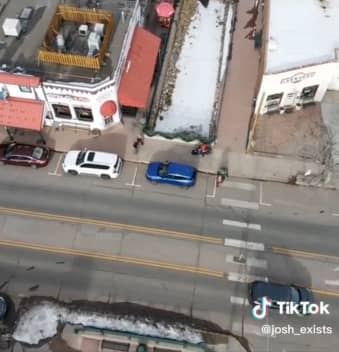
point(84, 114)
point(309, 92)
point(273, 102)
point(108, 120)
point(25, 89)
point(62, 111)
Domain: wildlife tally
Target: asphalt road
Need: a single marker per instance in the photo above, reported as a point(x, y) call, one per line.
point(279, 218)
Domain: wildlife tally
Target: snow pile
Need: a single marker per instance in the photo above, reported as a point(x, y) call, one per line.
point(41, 322)
point(193, 98)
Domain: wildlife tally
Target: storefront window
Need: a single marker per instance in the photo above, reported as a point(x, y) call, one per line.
point(84, 114)
point(273, 101)
point(309, 92)
point(62, 111)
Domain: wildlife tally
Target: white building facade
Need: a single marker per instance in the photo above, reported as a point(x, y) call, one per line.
point(300, 58)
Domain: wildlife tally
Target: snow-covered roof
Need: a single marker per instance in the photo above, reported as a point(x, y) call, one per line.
point(301, 32)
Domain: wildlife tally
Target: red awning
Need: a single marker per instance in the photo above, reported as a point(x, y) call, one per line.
point(21, 113)
point(165, 9)
point(108, 108)
point(19, 79)
point(137, 77)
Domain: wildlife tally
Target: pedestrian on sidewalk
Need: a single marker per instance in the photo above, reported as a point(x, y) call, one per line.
point(139, 141)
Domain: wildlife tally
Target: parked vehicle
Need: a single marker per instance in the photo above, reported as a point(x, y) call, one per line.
point(24, 154)
point(277, 293)
point(90, 162)
point(171, 173)
point(3, 307)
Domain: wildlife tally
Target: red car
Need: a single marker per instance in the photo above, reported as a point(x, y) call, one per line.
point(24, 155)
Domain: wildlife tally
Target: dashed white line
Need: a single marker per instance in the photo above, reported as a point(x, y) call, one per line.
point(214, 189)
point(244, 225)
point(332, 282)
point(133, 180)
point(239, 300)
point(228, 202)
point(55, 172)
point(261, 196)
point(335, 214)
point(239, 185)
point(245, 278)
point(254, 246)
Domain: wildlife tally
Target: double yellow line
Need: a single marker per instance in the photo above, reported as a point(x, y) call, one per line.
point(112, 225)
point(112, 258)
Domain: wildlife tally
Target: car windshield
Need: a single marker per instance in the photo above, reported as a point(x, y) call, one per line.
point(81, 157)
point(37, 153)
point(10, 149)
point(163, 170)
point(295, 296)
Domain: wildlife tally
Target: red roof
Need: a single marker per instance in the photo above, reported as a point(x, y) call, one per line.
point(21, 113)
point(137, 77)
point(19, 79)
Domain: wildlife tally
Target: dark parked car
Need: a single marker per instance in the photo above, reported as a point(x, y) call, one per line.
point(24, 155)
point(277, 293)
point(3, 307)
point(171, 173)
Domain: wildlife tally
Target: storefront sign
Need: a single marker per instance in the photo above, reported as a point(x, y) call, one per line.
point(68, 97)
point(297, 77)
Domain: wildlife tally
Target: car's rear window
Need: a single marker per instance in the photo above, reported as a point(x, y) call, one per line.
point(37, 153)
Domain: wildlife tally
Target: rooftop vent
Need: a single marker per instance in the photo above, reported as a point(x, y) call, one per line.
point(99, 29)
point(12, 27)
point(60, 42)
point(93, 43)
point(83, 30)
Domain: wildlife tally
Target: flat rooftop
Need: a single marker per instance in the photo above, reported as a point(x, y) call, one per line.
point(301, 33)
point(17, 54)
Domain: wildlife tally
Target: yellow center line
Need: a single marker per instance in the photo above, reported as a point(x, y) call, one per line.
point(303, 254)
point(112, 225)
point(112, 258)
point(325, 292)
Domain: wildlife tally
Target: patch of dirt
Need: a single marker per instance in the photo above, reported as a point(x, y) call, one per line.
point(301, 134)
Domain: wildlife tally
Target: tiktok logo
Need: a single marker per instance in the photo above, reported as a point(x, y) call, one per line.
point(259, 311)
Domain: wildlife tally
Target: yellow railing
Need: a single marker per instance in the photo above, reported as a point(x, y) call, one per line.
point(74, 14)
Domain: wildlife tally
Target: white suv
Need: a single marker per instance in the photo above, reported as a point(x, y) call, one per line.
point(89, 162)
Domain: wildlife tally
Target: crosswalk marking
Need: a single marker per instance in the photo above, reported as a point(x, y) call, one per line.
point(245, 278)
point(239, 300)
point(228, 202)
point(239, 185)
point(242, 224)
point(254, 246)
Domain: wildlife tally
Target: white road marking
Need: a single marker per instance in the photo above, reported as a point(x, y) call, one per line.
point(335, 214)
point(245, 278)
point(254, 246)
point(332, 282)
point(243, 225)
point(55, 172)
point(261, 196)
point(239, 185)
point(214, 189)
point(251, 261)
point(239, 300)
point(133, 180)
point(336, 268)
point(239, 203)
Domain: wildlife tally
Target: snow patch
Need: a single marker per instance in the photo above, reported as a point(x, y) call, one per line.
point(41, 322)
point(193, 97)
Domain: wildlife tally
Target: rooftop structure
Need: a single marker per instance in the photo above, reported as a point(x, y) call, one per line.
point(300, 33)
point(76, 41)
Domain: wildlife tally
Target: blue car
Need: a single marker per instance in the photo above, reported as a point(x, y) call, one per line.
point(171, 173)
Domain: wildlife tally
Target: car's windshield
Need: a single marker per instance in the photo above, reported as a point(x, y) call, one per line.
point(37, 153)
point(81, 157)
point(10, 149)
point(295, 296)
point(163, 170)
